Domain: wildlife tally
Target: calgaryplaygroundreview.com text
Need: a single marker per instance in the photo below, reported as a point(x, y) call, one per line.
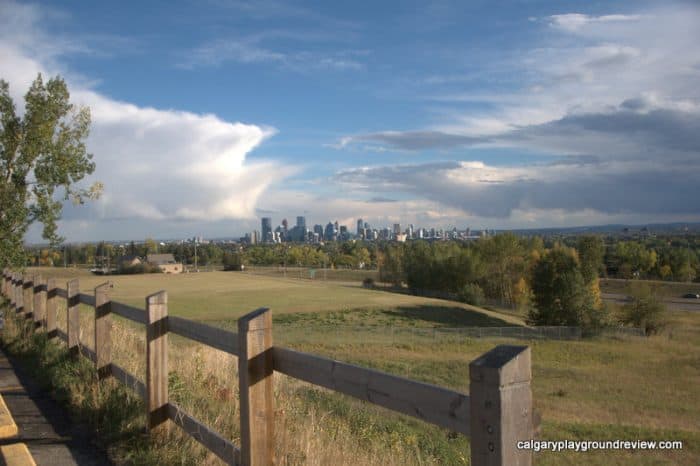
point(588, 445)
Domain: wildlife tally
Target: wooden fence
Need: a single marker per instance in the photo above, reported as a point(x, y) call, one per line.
point(497, 413)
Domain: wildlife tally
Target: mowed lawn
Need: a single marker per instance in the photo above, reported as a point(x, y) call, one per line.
point(221, 296)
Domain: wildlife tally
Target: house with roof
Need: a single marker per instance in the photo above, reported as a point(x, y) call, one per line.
point(165, 262)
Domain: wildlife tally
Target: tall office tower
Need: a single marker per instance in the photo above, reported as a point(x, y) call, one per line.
point(285, 225)
point(397, 228)
point(330, 232)
point(266, 229)
point(319, 230)
point(359, 227)
point(301, 222)
point(343, 233)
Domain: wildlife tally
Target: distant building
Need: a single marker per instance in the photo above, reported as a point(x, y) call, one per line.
point(266, 229)
point(301, 222)
point(165, 262)
point(124, 262)
point(397, 228)
point(330, 233)
point(360, 228)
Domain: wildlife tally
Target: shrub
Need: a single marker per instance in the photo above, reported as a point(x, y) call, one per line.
point(472, 294)
point(645, 310)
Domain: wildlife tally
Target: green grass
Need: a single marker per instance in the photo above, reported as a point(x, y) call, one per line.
point(594, 389)
point(665, 289)
point(222, 296)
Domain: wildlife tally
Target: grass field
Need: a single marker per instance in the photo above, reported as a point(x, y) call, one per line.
point(222, 296)
point(594, 389)
point(665, 289)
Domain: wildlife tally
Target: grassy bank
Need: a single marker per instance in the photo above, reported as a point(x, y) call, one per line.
point(597, 389)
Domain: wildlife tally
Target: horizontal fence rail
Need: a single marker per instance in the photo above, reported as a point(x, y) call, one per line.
point(215, 337)
point(497, 410)
point(400, 333)
point(430, 403)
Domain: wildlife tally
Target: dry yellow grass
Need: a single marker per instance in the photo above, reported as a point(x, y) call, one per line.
point(592, 389)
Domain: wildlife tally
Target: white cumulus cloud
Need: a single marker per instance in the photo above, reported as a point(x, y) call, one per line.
point(156, 165)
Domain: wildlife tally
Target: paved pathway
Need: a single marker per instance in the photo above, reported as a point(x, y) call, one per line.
point(43, 425)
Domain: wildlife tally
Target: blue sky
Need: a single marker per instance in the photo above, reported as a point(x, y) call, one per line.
point(488, 114)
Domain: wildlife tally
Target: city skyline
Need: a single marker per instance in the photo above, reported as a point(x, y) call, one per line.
point(452, 114)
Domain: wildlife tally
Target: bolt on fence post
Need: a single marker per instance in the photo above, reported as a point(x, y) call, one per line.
point(103, 331)
point(157, 361)
point(73, 316)
point(255, 374)
point(51, 298)
point(501, 407)
point(39, 301)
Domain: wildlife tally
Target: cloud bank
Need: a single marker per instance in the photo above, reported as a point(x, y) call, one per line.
point(156, 165)
point(613, 100)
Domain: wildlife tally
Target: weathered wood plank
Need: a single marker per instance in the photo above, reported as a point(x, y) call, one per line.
point(62, 335)
point(129, 312)
point(103, 330)
point(157, 360)
point(129, 380)
point(51, 303)
point(39, 301)
point(28, 294)
point(430, 403)
point(255, 383)
point(88, 353)
point(212, 440)
point(501, 404)
point(73, 317)
point(86, 299)
point(19, 294)
point(215, 337)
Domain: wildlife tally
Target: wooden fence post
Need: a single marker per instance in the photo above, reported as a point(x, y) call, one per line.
point(11, 290)
point(156, 360)
point(73, 316)
point(501, 407)
point(28, 295)
point(255, 370)
point(39, 301)
point(103, 330)
point(19, 305)
point(51, 298)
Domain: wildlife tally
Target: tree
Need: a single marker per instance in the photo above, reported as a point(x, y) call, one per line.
point(504, 260)
point(645, 310)
point(40, 153)
point(391, 265)
point(561, 295)
point(591, 251)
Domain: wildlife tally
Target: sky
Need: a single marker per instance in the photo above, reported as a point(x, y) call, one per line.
point(207, 115)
